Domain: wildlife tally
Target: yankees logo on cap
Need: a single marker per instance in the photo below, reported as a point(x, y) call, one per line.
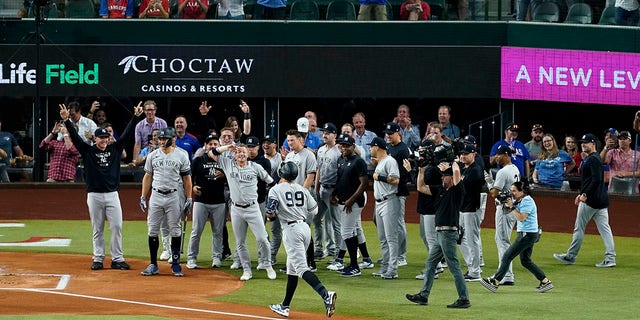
point(252, 141)
point(346, 139)
point(101, 133)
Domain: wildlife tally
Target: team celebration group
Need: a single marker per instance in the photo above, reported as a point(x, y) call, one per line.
point(318, 178)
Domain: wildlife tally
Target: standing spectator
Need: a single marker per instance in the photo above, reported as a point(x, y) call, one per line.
point(449, 130)
point(270, 10)
point(209, 205)
point(399, 151)
point(146, 126)
point(313, 129)
point(151, 145)
point(415, 10)
point(83, 125)
point(410, 133)
point(116, 9)
point(593, 203)
point(362, 137)
point(504, 220)
point(326, 177)
point(550, 166)
point(310, 141)
point(232, 122)
point(624, 161)
point(627, 12)
point(470, 212)
point(449, 195)
point(525, 210)
point(571, 147)
point(534, 146)
point(63, 155)
point(204, 124)
point(154, 9)
point(519, 154)
point(387, 207)
point(166, 169)
point(107, 126)
point(185, 140)
point(193, 9)
point(377, 7)
point(231, 9)
point(269, 147)
point(9, 146)
point(102, 167)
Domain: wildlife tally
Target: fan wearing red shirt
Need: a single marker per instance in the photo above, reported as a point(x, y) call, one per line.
point(116, 9)
point(193, 9)
point(154, 9)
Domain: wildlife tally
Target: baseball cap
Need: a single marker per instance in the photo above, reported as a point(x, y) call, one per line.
point(612, 131)
point(587, 138)
point(391, 128)
point(504, 149)
point(211, 137)
point(329, 127)
point(269, 138)
point(101, 133)
point(468, 148)
point(303, 125)
point(513, 127)
point(346, 139)
point(537, 127)
point(378, 142)
point(448, 172)
point(252, 141)
point(624, 135)
point(469, 139)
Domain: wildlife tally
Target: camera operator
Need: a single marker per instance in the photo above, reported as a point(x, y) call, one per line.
point(473, 181)
point(506, 176)
point(525, 210)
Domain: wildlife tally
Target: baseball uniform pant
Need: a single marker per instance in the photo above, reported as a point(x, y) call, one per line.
point(504, 226)
point(165, 206)
point(297, 237)
point(216, 215)
point(402, 230)
point(250, 218)
point(331, 219)
point(102, 207)
point(276, 238)
point(350, 221)
point(387, 216)
point(445, 246)
point(601, 218)
point(470, 244)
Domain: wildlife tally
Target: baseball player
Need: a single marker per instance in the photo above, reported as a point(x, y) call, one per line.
point(386, 177)
point(209, 204)
point(326, 176)
point(269, 147)
point(167, 171)
point(242, 179)
point(291, 203)
point(102, 167)
point(254, 155)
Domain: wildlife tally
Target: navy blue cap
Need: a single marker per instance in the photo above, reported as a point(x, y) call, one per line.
point(101, 133)
point(378, 142)
point(329, 127)
point(587, 138)
point(504, 149)
point(391, 128)
point(252, 141)
point(346, 139)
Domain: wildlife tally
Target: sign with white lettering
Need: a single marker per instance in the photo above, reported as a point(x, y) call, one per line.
point(570, 76)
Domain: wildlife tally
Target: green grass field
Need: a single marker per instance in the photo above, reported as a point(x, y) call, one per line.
point(581, 290)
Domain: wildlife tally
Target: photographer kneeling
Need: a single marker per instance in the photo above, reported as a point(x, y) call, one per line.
point(525, 210)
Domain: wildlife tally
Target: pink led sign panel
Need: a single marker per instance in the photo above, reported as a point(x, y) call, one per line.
point(570, 76)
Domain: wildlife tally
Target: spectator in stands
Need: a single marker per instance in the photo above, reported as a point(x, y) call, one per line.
point(146, 126)
point(623, 161)
point(313, 128)
point(99, 116)
point(550, 168)
point(232, 122)
point(310, 141)
point(571, 147)
point(85, 126)
point(10, 148)
point(193, 9)
point(116, 9)
point(107, 126)
point(362, 137)
point(522, 9)
point(349, 130)
point(410, 133)
point(154, 9)
point(627, 12)
point(610, 143)
point(377, 7)
point(185, 140)
point(519, 154)
point(204, 123)
point(151, 145)
point(534, 146)
point(270, 10)
point(415, 10)
point(231, 9)
point(449, 130)
point(63, 155)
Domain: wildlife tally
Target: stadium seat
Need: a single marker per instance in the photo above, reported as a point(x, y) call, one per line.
point(608, 16)
point(304, 10)
point(10, 8)
point(546, 12)
point(580, 13)
point(79, 9)
point(50, 12)
point(341, 10)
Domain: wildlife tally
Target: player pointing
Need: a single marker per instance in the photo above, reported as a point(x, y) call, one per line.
point(290, 203)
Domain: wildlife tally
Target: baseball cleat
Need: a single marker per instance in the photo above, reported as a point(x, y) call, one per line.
point(330, 303)
point(606, 264)
point(191, 264)
point(152, 269)
point(460, 304)
point(176, 270)
point(97, 265)
point(246, 276)
point(120, 265)
point(165, 255)
point(389, 276)
point(402, 262)
point(271, 274)
point(563, 258)
point(366, 264)
point(235, 265)
point(216, 263)
point(280, 309)
point(417, 298)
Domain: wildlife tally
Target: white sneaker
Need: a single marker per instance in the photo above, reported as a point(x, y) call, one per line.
point(402, 262)
point(216, 263)
point(271, 274)
point(235, 265)
point(165, 255)
point(336, 266)
point(246, 276)
point(261, 267)
point(420, 276)
point(279, 309)
point(191, 263)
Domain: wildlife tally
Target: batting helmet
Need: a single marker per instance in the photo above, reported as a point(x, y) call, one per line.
point(168, 133)
point(288, 170)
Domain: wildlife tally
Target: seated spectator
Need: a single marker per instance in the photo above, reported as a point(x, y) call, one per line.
point(63, 155)
point(627, 12)
point(193, 9)
point(154, 9)
point(185, 140)
point(410, 133)
point(450, 130)
point(270, 10)
point(10, 147)
point(109, 127)
point(534, 146)
point(99, 116)
point(151, 145)
point(571, 147)
point(231, 9)
point(623, 161)
point(313, 125)
point(116, 9)
point(377, 7)
point(610, 143)
point(550, 168)
point(415, 10)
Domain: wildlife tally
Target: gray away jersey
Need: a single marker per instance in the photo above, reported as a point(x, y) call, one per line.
point(166, 169)
point(387, 167)
point(328, 164)
point(306, 162)
point(293, 201)
point(505, 177)
point(243, 182)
